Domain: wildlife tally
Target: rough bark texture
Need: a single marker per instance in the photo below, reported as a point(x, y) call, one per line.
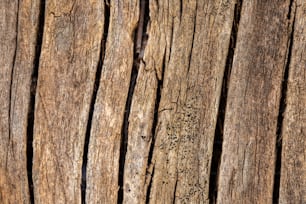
point(131, 96)
point(69, 58)
point(18, 30)
point(293, 174)
point(248, 156)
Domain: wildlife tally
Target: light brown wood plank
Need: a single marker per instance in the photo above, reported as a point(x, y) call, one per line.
point(18, 31)
point(190, 100)
point(293, 166)
point(105, 137)
point(68, 64)
point(248, 157)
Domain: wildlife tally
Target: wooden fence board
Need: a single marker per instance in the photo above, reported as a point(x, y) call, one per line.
point(190, 100)
point(18, 30)
point(248, 155)
point(108, 117)
point(69, 58)
point(293, 166)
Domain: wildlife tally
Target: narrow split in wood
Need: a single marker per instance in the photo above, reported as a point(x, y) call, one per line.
point(218, 139)
point(282, 106)
point(93, 100)
point(31, 111)
point(293, 134)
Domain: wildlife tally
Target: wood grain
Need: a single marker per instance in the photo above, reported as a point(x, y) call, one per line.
point(18, 31)
point(248, 157)
point(190, 100)
point(293, 166)
point(70, 53)
point(144, 106)
point(105, 137)
point(154, 144)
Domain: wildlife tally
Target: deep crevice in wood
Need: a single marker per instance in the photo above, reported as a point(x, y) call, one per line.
point(282, 108)
point(155, 119)
point(181, 10)
point(193, 34)
point(140, 27)
point(93, 100)
point(290, 9)
point(218, 139)
point(149, 187)
point(140, 39)
point(124, 132)
point(31, 110)
point(154, 126)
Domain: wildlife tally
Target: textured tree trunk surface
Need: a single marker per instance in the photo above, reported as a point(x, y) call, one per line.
point(153, 101)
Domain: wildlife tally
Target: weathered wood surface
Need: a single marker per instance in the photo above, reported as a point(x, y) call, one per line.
point(149, 120)
point(248, 155)
point(108, 118)
point(69, 59)
point(18, 30)
point(190, 100)
point(144, 105)
point(293, 174)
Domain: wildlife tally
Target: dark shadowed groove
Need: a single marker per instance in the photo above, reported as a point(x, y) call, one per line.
point(181, 10)
point(140, 28)
point(193, 34)
point(124, 132)
point(154, 126)
point(174, 192)
point(290, 9)
point(140, 32)
point(282, 108)
point(31, 110)
point(149, 187)
point(218, 139)
point(155, 119)
point(93, 100)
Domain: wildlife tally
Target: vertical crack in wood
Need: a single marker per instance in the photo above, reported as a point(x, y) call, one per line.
point(31, 110)
point(124, 131)
point(140, 27)
point(181, 10)
point(282, 106)
point(218, 139)
point(154, 127)
point(193, 34)
point(93, 99)
point(149, 187)
point(174, 191)
point(140, 41)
